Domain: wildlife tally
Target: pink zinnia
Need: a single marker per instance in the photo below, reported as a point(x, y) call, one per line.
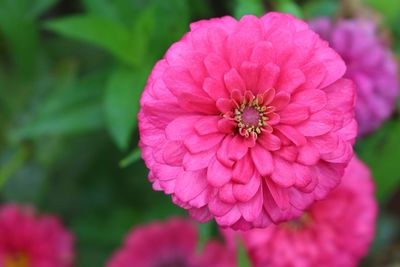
point(27, 240)
point(370, 64)
point(170, 243)
point(248, 121)
point(335, 232)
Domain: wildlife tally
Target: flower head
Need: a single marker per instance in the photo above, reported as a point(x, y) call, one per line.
point(335, 232)
point(370, 64)
point(170, 243)
point(27, 240)
point(248, 121)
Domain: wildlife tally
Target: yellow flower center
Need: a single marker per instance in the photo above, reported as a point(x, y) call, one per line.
point(16, 260)
point(250, 117)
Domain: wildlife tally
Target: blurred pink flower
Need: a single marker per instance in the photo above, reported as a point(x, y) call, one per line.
point(335, 232)
point(27, 240)
point(370, 64)
point(170, 243)
point(248, 121)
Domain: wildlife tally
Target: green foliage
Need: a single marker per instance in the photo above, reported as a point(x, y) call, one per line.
point(107, 34)
point(289, 6)
point(243, 7)
point(381, 151)
point(73, 109)
point(320, 8)
point(390, 8)
point(243, 259)
point(121, 102)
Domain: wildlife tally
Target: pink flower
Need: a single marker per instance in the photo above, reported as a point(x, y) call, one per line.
point(170, 243)
point(248, 121)
point(370, 64)
point(27, 240)
point(335, 232)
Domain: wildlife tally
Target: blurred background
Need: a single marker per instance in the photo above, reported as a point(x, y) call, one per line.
point(71, 74)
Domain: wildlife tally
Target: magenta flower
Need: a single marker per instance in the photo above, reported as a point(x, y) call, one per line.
point(27, 240)
point(370, 64)
point(335, 232)
point(248, 121)
point(170, 243)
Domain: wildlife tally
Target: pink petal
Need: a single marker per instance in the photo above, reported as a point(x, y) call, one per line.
point(218, 207)
point(290, 80)
point(190, 184)
point(251, 209)
point(283, 174)
point(250, 71)
point(315, 100)
point(226, 126)
point(226, 194)
point(293, 114)
point(318, 124)
point(268, 78)
point(244, 192)
point(243, 170)
point(233, 81)
point(223, 152)
point(281, 100)
point(207, 125)
point(216, 66)
point(173, 153)
point(197, 103)
point(230, 217)
point(215, 88)
point(240, 44)
point(218, 174)
point(194, 162)
point(237, 148)
point(279, 195)
point(225, 105)
point(195, 143)
point(269, 141)
point(262, 159)
point(303, 175)
point(292, 134)
point(179, 80)
point(263, 53)
point(181, 127)
point(308, 155)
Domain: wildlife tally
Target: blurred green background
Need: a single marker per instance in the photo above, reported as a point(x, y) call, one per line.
point(71, 73)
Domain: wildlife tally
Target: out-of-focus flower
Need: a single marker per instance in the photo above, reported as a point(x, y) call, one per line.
point(27, 240)
point(248, 121)
point(370, 64)
point(335, 232)
point(170, 243)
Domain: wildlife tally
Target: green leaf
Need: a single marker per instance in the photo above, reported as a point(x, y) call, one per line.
point(243, 7)
point(100, 31)
point(320, 8)
point(205, 233)
point(74, 109)
point(389, 8)
point(40, 6)
point(13, 164)
point(131, 158)
point(381, 152)
point(103, 8)
point(243, 259)
point(290, 7)
point(121, 103)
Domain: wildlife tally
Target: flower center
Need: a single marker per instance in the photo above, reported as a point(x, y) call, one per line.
point(16, 260)
point(250, 117)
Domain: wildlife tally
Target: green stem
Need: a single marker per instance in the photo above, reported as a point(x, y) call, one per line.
point(9, 168)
